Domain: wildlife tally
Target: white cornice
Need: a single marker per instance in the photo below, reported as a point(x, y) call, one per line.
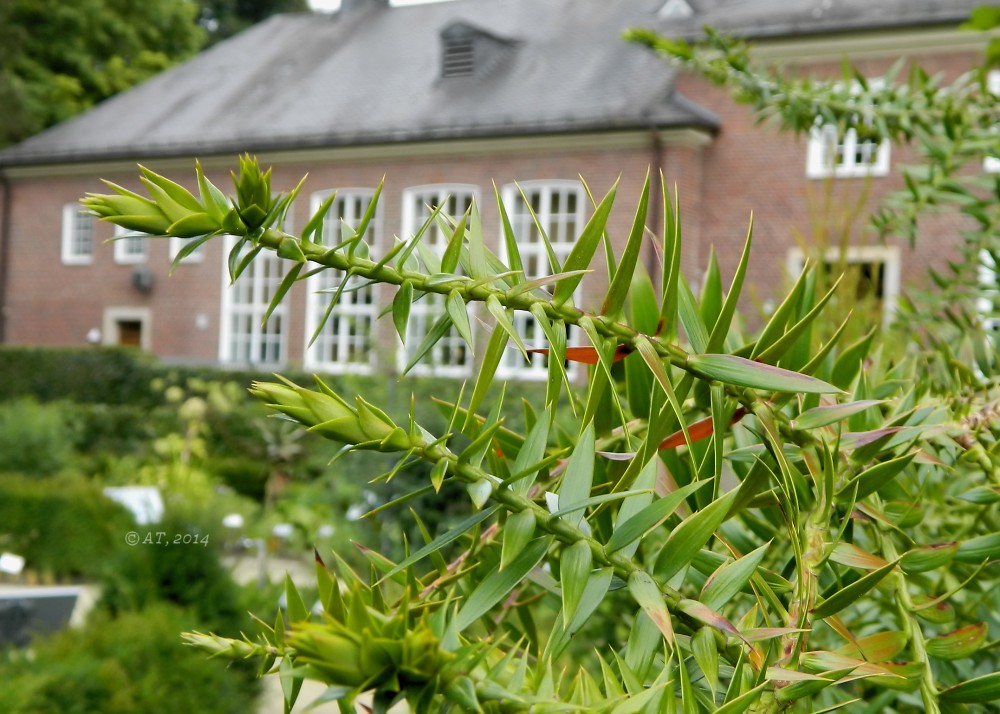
point(916, 42)
point(559, 143)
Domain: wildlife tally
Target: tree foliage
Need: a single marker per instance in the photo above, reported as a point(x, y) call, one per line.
point(59, 58)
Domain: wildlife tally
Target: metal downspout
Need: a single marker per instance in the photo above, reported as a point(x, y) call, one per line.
point(655, 221)
point(5, 224)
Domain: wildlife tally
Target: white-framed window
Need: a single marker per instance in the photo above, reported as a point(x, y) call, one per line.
point(845, 155)
point(450, 357)
point(873, 271)
point(989, 291)
point(991, 164)
point(347, 340)
point(560, 208)
point(243, 340)
point(131, 249)
point(77, 235)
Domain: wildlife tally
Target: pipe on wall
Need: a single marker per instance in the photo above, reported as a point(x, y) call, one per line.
point(5, 228)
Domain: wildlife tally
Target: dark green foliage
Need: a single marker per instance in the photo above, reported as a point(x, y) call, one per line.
point(58, 58)
point(124, 664)
point(91, 375)
point(35, 438)
point(187, 575)
point(64, 527)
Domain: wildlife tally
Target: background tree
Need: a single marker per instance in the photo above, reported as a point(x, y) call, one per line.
point(58, 58)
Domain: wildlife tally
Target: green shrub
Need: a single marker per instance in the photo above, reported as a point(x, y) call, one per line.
point(189, 575)
point(106, 375)
point(63, 526)
point(35, 439)
point(124, 664)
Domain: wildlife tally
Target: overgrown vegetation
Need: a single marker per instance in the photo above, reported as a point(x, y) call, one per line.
point(735, 522)
point(714, 521)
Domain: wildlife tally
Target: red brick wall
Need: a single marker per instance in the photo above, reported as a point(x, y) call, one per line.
point(53, 304)
point(756, 168)
point(746, 168)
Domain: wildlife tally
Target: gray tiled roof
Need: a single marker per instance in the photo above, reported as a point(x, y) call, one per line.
point(373, 76)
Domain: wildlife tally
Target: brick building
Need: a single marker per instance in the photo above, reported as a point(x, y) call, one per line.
point(445, 100)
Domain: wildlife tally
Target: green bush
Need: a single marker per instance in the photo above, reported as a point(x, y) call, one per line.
point(187, 575)
point(35, 438)
point(64, 527)
point(124, 664)
point(106, 375)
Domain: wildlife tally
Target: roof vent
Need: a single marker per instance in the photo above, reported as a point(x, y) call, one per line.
point(467, 51)
point(458, 58)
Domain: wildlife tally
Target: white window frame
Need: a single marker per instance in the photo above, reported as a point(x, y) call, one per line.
point(989, 282)
point(889, 256)
point(991, 164)
point(352, 305)
point(259, 290)
point(825, 141)
point(512, 365)
point(425, 311)
point(132, 249)
point(74, 218)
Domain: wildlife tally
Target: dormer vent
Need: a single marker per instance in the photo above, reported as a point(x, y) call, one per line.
point(458, 57)
point(467, 51)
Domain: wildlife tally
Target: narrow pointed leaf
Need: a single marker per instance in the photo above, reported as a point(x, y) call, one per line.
point(691, 535)
point(504, 322)
point(517, 533)
point(487, 370)
point(437, 331)
point(401, 309)
point(297, 611)
point(822, 416)
point(286, 283)
point(694, 326)
point(650, 517)
point(974, 691)
point(530, 455)
point(976, 550)
point(584, 248)
point(871, 480)
point(614, 301)
point(720, 329)
point(574, 572)
point(650, 599)
point(495, 586)
point(742, 372)
point(460, 316)
point(730, 578)
point(449, 536)
point(579, 474)
point(851, 593)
